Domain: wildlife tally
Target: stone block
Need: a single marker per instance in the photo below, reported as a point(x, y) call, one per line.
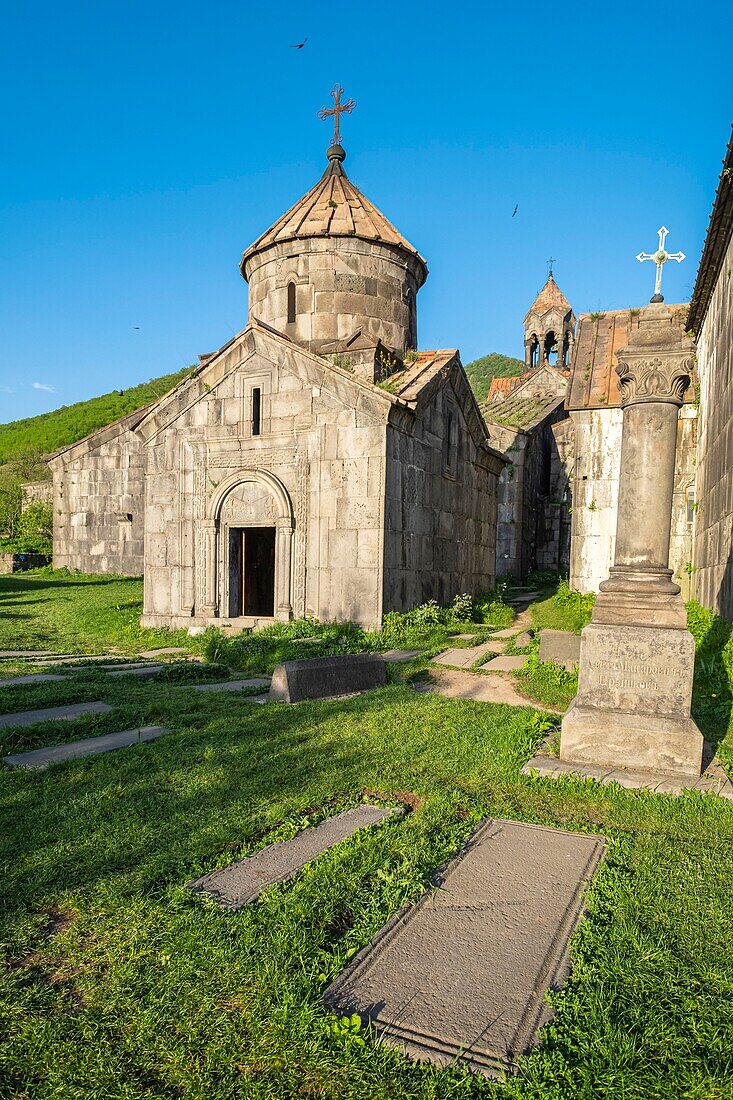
point(461, 976)
point(322, 677)
point(559, 646)
point(242, 882)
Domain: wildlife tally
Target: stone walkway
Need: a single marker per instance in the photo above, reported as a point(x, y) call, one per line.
point(459, 684)
point(241, 882)
point(462, 975)
point(489, 682)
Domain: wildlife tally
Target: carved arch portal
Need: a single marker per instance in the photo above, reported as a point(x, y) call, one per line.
point(249, 499)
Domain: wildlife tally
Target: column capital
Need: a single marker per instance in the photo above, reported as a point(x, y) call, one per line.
point(662, 377)
point(656, 364)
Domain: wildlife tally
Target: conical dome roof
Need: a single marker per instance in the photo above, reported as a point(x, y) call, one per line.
point(333, 208)
point(550, 296)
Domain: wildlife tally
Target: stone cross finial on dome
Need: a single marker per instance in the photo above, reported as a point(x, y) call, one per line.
point(337, 110)
point(660, 258)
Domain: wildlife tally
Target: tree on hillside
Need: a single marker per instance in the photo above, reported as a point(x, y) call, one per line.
point(481, 371)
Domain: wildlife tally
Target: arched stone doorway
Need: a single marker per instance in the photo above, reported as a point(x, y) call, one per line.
point(249, 533)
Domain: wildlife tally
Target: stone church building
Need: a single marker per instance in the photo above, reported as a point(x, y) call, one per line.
point(528, 418)
point(316, 464)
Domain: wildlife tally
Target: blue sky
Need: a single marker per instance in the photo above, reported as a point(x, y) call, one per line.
point(144, 145)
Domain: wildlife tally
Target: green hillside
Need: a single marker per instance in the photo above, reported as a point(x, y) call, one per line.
point(481, 371)
point(24, 443)
point(40, 435)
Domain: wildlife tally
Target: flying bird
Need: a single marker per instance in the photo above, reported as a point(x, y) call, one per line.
point(515, 209)
point(299, 45)
point(136, 327)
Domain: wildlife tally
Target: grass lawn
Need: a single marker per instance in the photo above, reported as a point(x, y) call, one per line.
point(75, 613)
point(116, 983)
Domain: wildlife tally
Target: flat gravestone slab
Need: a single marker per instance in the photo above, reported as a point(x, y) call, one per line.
point(89, 746)
point(163, 651)
point(462, 974)
point(142, 670)
point(52, 714)
point(323, 677)
point(560, 646)
point(229, 685)
point(505, 664)
point(401, 654)
point(241, 882)
point(24, 653)
point(32, 678)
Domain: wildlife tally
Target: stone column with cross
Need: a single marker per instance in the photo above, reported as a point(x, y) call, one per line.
point(637, 657)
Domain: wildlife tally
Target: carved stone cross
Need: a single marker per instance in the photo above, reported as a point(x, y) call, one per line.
point(660, 258)
point(337, 110)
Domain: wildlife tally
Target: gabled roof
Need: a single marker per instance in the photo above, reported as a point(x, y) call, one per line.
point(550, 297)
point(335, 207)
point(717, 240)
point(523, 412)
point(600, 336)
point(534, 396)
point(502, 387)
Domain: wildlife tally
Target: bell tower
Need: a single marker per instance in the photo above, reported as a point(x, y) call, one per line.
point(549, 328)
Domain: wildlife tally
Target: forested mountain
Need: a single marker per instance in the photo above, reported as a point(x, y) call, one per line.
point(481, 371)
point(41, 435)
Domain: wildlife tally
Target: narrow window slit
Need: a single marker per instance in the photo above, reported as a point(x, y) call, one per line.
point(256, 411)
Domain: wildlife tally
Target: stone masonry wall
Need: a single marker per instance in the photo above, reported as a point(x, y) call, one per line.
point(322, 438)
point(713, 552)
point(341, 285)
point(98, 497)
point(440, 534)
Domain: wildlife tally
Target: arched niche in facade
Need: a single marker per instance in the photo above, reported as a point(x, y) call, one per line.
point(246, 506)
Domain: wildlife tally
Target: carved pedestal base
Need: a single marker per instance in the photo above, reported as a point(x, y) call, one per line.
point(632, 709)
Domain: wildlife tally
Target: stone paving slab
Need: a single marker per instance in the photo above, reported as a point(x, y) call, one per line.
point(464, 658)
point(89, 746)
point(712, 781)
point(52, 714)
point(150, 670)
point(507, 632)
point(560, 646)
point(458, 684)
point(229, 685)
point(241, 882)
point(462, 975)
point(505, 664)
point(401, 654)
point(32, 678)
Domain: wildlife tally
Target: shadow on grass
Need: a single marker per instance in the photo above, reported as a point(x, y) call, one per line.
point(147, 816)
